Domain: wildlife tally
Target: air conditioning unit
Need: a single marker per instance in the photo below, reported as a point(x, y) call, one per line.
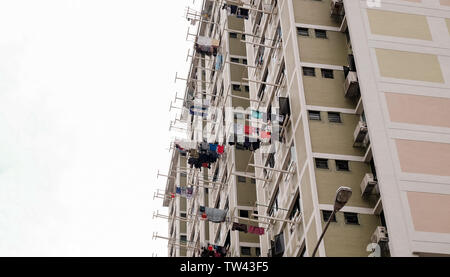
point(360, 133)
point(351, 85)
point(336, 7)
point(368, 184)
point(366, 141)
point(380, 235)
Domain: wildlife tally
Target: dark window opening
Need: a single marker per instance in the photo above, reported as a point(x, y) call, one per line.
point(342, 166)
point(322, 163)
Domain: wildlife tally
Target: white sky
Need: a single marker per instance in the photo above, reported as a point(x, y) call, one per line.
point(85, 87)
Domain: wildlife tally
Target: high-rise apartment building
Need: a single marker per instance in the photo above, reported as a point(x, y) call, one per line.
point(308, 96)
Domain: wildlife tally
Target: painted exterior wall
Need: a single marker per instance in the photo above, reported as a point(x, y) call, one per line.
point(403, 58)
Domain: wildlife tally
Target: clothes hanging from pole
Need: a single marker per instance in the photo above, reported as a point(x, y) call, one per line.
point(256, 230)
point(215, 215)
point(239, 227)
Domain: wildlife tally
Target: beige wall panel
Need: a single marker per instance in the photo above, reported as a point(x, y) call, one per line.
point(327, 92)
point(332, 50)
point(421, 110)
point(183, 205)
point(242, 158)
point(345, 240)
point(318, 13)
point(430, 212)
point(238, 72)
point(246, 193)
point(424, 157)
point(445, 2)
point(235, 23)
point(329, 180)
point(335, 138)
point(409, 66)
point(237, 47)
point(396, 24)
point(183, 227)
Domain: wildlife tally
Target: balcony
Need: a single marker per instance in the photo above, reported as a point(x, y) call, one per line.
point(367, 185)
point(360, 134)
point(351, 85)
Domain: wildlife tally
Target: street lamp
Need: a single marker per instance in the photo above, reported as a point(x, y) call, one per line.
point(343, 194)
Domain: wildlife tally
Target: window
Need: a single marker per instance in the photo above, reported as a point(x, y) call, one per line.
point(243, 213)
point(314, 115)
point(236, 87)
point(258, 252)
point(233, 35)
point(309, 71)
point(242, 179)
point(183, 174)
point(234, 60)
point(246, 251)
point(302, 31)
point(244, 61)
point(274, 207)
point(351, 218)
point(334, 117)
point(295, 208)
point(321, 33)
point(253, 181)
point(183, 215)
point(326, 216)
point(183, 238)
point(247, 89)
point(342, 166)
point(327, 73)
point(322, 163)
point(243, 36)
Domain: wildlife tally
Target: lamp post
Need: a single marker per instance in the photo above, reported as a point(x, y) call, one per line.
point(343, 194)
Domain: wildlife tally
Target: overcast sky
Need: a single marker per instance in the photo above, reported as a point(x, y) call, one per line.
point(85, 87)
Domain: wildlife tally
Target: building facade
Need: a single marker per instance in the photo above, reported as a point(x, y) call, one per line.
point(352, 93)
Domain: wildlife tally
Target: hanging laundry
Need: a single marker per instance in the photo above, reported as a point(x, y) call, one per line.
point(265, 135)
point(219, 60)
point(190, 191)
point(200, 111)
point(213, 147)
point(239, 227)
point(204, 146)
point(207, 46)
point(220, 149)
point(249, 130)
point(257, 115)
point(178, 190)
point(256, 230)
point(215, 215)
